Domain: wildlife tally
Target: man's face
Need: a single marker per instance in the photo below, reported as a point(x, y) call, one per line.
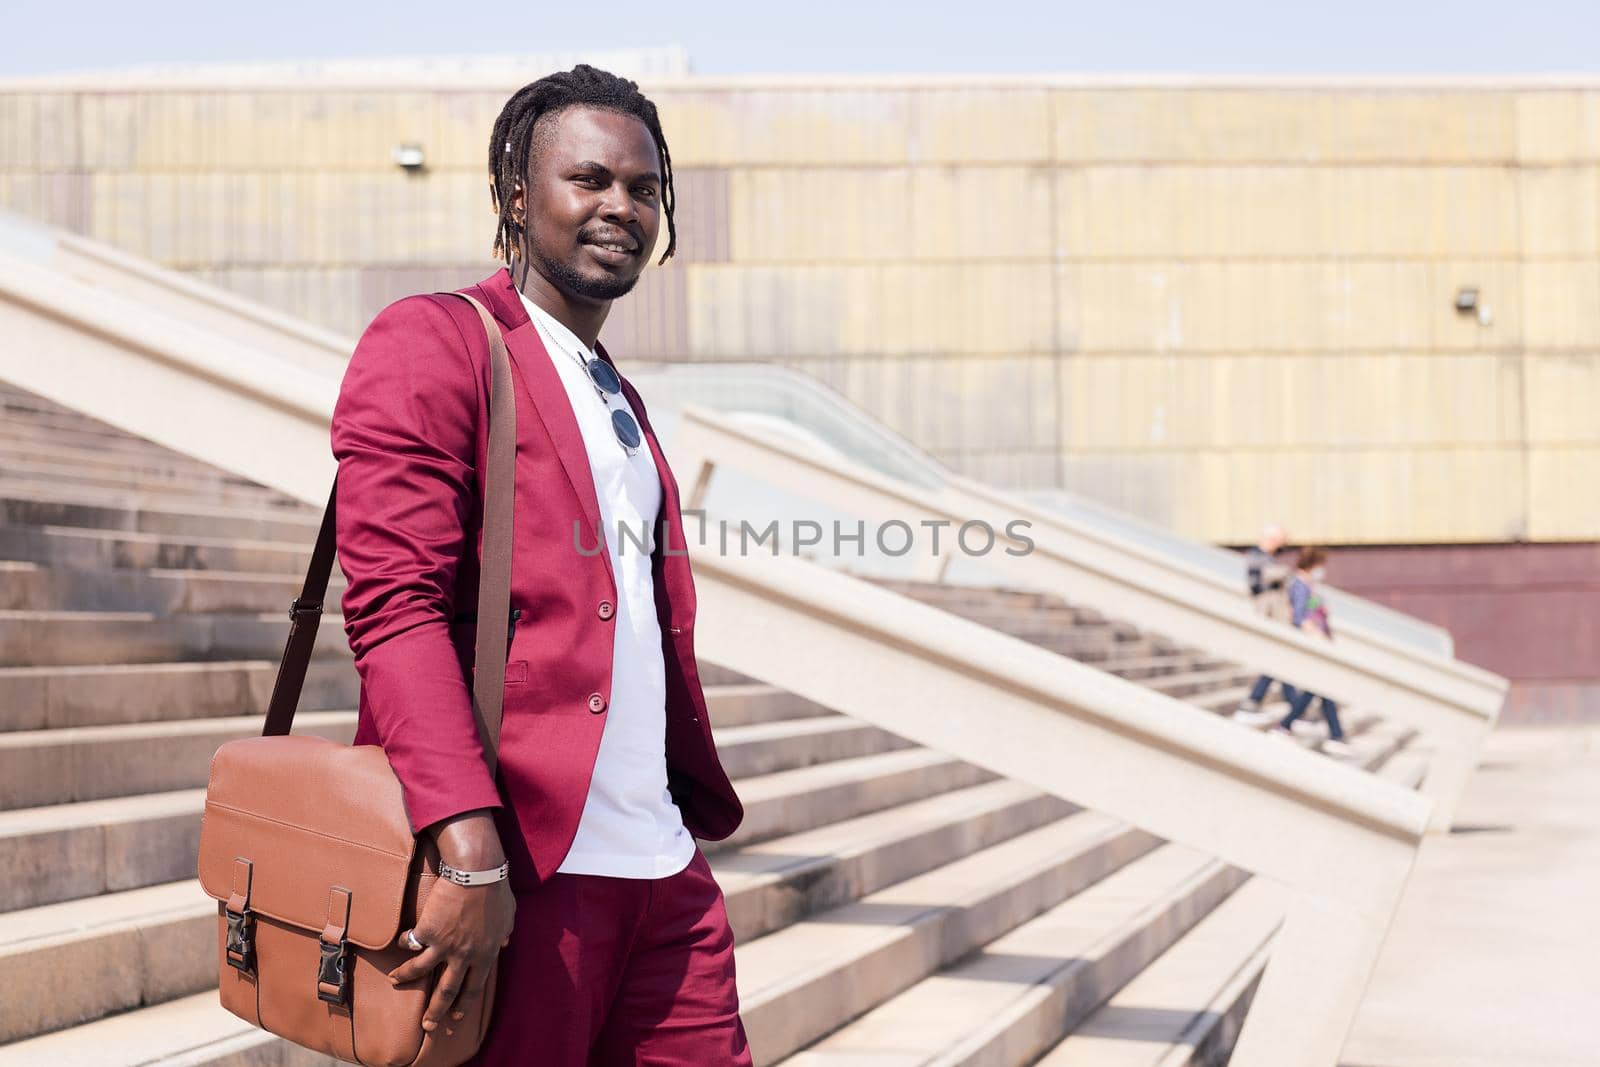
point(594, 203)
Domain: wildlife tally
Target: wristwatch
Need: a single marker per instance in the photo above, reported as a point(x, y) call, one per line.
point(490, 877)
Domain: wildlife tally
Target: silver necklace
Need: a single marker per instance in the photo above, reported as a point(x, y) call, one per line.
point(623, 424)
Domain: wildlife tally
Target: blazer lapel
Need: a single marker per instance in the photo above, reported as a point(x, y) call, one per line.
point(672, 544)
point(543, 384)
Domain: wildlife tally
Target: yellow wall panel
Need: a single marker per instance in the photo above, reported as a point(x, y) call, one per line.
point(970, 126)
point(798, 126)
point(951, 401)
point(1166, 306)
point(756, 312)
point(1372, 497)
point(1192, 210)
point(1560, 211)
point(1311, 125)
point(866, 214)
point(110, 130)
point(977, 213)
point(1558, 125)
point(818, 215)
point(1563, 400)
point(1562, 490)
point(1561, 303)
point(1175, 403)
point(462, 123)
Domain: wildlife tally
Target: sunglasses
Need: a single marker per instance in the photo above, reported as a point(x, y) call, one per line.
point(607, 384)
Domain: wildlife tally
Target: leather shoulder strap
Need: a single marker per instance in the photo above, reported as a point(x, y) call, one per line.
point(494, 578)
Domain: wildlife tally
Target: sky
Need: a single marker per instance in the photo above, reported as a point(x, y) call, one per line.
point(825, 36)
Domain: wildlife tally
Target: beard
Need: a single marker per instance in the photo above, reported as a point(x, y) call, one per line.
point(570, 279)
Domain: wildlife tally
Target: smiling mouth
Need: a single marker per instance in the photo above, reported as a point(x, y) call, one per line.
point(625, 248)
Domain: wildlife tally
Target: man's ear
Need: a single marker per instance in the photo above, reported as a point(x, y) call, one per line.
point(518, 211)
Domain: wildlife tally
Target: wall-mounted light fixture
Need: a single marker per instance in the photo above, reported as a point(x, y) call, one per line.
point(409, 156)
point(1468, 303)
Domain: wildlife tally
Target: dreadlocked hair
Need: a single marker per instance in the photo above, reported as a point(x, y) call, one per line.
point(511, 143)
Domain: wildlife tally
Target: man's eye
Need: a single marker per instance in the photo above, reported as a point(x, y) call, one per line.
point(645, 191)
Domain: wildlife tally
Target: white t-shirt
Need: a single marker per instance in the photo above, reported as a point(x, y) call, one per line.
point(630, 828)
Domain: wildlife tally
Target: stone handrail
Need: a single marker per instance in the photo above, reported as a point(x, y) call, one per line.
point(1343, 842)
point(1453, 707)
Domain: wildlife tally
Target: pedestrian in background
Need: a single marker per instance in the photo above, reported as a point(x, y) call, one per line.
point(1268, 582)
point(1309, 613)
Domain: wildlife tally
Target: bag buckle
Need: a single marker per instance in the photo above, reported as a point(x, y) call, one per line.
point(333, 973)
point(241, 941)
point(309, 607)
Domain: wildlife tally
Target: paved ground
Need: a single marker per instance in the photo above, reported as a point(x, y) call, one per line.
point(1495, 956)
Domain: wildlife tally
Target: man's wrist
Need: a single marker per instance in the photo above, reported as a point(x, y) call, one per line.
point(469, 841)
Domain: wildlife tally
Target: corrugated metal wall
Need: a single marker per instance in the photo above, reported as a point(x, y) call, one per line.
point(1212, 306)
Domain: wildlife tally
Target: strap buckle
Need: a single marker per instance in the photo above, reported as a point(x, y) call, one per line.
point(297, 606)
point(241, 941)
point(333, 973)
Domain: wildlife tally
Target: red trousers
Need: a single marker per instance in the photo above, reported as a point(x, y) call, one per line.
point(618, 972)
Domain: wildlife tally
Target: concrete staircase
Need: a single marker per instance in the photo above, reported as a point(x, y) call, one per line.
point(891, 903)
point(1186, 674)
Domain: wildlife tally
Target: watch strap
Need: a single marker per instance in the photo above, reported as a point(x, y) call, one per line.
point(489, 877)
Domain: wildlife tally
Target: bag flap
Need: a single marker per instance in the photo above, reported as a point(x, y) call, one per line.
point(309, 814)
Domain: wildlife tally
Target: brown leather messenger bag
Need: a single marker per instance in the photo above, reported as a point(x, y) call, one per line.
point(306, 846)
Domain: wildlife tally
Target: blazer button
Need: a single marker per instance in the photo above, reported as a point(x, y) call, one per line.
point(597, 703)
point(606, 609)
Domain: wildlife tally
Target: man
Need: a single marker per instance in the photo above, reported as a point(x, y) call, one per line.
point(1267, 581)
point(616, 942)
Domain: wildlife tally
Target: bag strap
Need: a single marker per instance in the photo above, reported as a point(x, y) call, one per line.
point(494, 576)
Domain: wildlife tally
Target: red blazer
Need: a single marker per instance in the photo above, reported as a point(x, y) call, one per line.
point(410, 432)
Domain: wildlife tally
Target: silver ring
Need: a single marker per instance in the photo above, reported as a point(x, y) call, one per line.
point(412, 943)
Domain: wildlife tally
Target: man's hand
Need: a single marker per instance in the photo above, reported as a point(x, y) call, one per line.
point(462, 928)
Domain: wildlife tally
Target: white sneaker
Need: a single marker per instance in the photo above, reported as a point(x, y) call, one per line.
point(1338, 748)
point(1301, 728)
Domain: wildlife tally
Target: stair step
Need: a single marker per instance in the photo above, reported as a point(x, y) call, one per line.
point(94, 548)
point(29, 423)
point(1160, 665)
point(84, 959)
point(1022, 991)
point(39, 768)
point(1188, 1005)
point(843, 861)
point(75, 695)
point(165, 591)
point(63, 638)
point(138, 477)
point(1406, 769)
point(68, 851)
point(748, 703)
point(790, 801)
point(66, 697)
point(187, 1032)
point(28, 505)
point(772, 747)
point(807, 979)
point(1190, 684)
point(64, 450)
